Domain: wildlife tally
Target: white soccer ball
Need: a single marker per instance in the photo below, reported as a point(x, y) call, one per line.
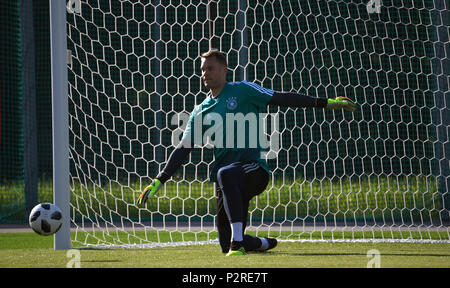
point(45, 219)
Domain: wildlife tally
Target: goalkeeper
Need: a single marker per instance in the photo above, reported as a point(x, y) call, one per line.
point(240, 173)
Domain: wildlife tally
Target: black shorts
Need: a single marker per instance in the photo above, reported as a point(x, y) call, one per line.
point(254, 182)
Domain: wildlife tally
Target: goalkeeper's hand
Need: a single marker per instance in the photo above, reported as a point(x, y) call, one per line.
point(341, 103)
point(149, 191)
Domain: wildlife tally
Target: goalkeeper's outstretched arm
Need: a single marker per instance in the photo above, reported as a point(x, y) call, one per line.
point(290, 99)
point(175, 160)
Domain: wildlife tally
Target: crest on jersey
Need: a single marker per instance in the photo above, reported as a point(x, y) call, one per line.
point(232, 103)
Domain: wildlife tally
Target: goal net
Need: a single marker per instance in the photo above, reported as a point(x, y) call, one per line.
point(379, 174)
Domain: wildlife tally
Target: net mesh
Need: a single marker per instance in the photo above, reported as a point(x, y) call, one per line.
point(378, 174)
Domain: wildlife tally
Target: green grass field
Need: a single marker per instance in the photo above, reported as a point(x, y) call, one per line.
point(29, 250)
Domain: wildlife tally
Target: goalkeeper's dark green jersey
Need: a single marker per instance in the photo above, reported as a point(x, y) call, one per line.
point(232, 123)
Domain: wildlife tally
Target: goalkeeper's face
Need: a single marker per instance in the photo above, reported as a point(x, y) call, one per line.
point(213, 73)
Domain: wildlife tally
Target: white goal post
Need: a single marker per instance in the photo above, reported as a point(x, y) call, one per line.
point(131, 70)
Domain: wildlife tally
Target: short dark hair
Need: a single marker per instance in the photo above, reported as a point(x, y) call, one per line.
point(216, 53)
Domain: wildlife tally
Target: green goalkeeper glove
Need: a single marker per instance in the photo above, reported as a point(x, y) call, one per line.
point(341, 103)
point(149, 191)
